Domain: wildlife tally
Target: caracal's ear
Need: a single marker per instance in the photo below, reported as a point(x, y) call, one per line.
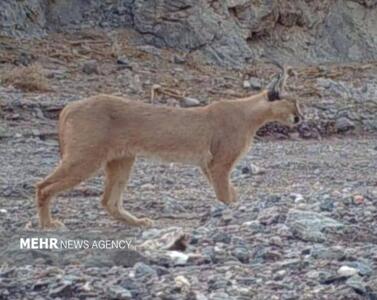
point(276, 87)
point(299, 108)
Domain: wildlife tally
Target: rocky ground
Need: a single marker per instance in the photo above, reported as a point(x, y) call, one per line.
point(305, 225)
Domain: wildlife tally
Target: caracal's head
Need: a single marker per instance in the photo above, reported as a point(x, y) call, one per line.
point(284, 109)
point(287, 112)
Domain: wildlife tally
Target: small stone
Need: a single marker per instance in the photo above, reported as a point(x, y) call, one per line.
point(171, 238)
point(171, 205)
point(347, 271)
point(327, 205)
point(245, 292)
point(123, 63)
point(199, 296)
point(253, 170)
point(189, 102)
point(39, 284)
point(63, 290)
point(269, 216)
point(24, 59)
point(14, 117)
point(118, 292)
point(227, 217)
point(324, 82)
point(255, 83)
point(148, 186)
point(122, 60)
point(328, 253)
point(182, 283)
point(246, 84)
point(310, 226)
point(357, 284)
point(271, 255)
point(199, 259)
point(36, 132)
point(364, 268)
point(358, 199)
point(296, 197)
point(130, 284)
point(217, 211)
point(39, 113)
point(150, 49)
point(372, 286)
point(87, 287)
point(3, 132)
point(57, 74)
point(179, 59)
point(219, 296)
point(279, 275)
point(329, 277)
point(273, 198)
point(242, 254)
point(219, 249)
point(104, 24)
point(344, 124)
point(90, 67)
point(253, 226)
point(313, 274)
point(3, 211)
point(178, 258)
point(242, 208)
point(276, 241)
point(209, 253)
point(221, 237)
point(141, 269)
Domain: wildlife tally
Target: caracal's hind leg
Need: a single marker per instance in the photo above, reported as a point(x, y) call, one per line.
point(69, 173)
point(117, 175)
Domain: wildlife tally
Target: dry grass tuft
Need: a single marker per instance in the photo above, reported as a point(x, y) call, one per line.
point(29, 79)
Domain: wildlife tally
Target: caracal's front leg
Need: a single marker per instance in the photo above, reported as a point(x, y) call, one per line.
point(219, 174)
point(207, 173)
point(233, 193)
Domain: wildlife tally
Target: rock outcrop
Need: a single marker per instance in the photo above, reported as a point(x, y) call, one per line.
point(227, 33)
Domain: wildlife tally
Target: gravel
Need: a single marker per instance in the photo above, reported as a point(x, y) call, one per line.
point(268, 239)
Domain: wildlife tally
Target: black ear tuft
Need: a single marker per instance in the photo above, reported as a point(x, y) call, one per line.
point(273, 95)
point(276, 86)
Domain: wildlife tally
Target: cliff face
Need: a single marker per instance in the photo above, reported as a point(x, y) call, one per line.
point(227, 33)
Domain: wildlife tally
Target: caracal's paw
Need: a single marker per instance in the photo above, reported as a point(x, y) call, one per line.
point(53, 225)
point(234, 205)
point(228, 202)
point(234, 197)
point(145, 222)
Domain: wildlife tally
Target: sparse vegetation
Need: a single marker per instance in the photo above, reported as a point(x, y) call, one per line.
point(30, 78)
